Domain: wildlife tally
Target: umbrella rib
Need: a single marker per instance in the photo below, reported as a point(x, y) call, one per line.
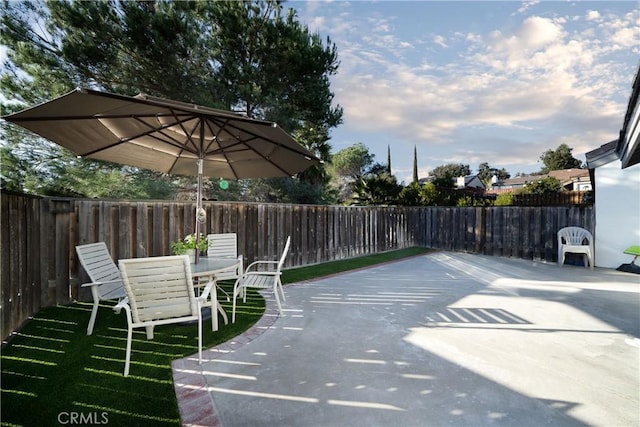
point(255, 136)
point(216, 135)
point(222, 126)
point(150, 133)
point(189, 136)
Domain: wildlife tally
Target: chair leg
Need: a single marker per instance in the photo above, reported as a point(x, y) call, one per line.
point(129, 337)
point(588, 258)
point(275, 293)
point(149, 332)
point(92, 319)
point(281, 289)
point(223, 314)
point(213, 311)
point(236, 291)
point(214, 307)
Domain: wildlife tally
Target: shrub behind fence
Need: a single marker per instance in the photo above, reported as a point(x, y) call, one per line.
point(39, 235)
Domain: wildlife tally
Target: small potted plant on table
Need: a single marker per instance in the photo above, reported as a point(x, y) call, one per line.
point(189, 245)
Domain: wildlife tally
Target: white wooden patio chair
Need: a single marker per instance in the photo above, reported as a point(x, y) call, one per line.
point(106, 283)
point(225, 245)
point(575, 240)
point(254, 277)
point(160, 292)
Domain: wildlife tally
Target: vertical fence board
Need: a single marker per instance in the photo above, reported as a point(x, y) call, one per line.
point(525, 227)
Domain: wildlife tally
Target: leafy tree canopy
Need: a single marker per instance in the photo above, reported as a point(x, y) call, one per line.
point(544, 185)
point(352, 161)
point(486, 172)
point(378, 187)
point(560, 158)
point(348, 165)
point(445, 175)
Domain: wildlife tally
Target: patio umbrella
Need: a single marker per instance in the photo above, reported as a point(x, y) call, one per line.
point(167, 136)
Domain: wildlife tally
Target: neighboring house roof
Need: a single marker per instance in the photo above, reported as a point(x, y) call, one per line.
point(518, 181)
point(470, 181)
point(569, 176)
point(628, 147)
point(565, 176)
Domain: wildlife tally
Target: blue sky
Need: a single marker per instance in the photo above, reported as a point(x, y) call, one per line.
point(472, 82)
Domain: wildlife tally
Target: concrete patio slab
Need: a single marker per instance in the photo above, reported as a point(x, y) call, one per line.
point(435, 340)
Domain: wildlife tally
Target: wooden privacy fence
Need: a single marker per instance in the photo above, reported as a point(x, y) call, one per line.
point(39, 235)
point(562, 198)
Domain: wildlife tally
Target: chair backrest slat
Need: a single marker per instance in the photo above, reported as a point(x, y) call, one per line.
point(222, 245)
point(159, 287)
point(574, 236)
point(97, 262)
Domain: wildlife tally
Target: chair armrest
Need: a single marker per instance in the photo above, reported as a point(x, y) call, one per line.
point(256, 263)
point(124, 302)
point(100, 283)
point(206, 291)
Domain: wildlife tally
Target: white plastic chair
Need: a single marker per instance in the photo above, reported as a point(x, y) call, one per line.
point(575, 240)
point(160, 292)
point(270, 278)
point(225, 245)
point(106, 283)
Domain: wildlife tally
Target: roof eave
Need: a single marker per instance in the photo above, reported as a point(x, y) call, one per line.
point(628, 148)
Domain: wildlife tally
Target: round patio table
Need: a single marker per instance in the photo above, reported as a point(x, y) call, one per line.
point(207, 268)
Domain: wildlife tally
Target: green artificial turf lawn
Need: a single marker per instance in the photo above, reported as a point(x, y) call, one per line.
point(52, 371)
point(325, 269)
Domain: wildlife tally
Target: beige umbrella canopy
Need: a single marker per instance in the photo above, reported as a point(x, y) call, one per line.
point(166, 136)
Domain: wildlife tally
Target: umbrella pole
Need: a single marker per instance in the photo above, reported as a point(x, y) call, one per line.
point(198, 207)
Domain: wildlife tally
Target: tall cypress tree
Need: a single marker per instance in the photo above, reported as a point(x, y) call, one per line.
point(389, 159)
point(415, 164)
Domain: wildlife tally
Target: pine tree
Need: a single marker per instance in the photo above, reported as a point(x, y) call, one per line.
point(250, 56)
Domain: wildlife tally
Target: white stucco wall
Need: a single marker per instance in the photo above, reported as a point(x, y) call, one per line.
point(617, 207)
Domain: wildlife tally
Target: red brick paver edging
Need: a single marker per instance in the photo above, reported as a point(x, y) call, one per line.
point(194, 400)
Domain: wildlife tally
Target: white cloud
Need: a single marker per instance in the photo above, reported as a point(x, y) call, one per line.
point(593, 15)
point(526, 5)
point(440, 41)
point(530, 76)
point(537, 32)
point(503, 95)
